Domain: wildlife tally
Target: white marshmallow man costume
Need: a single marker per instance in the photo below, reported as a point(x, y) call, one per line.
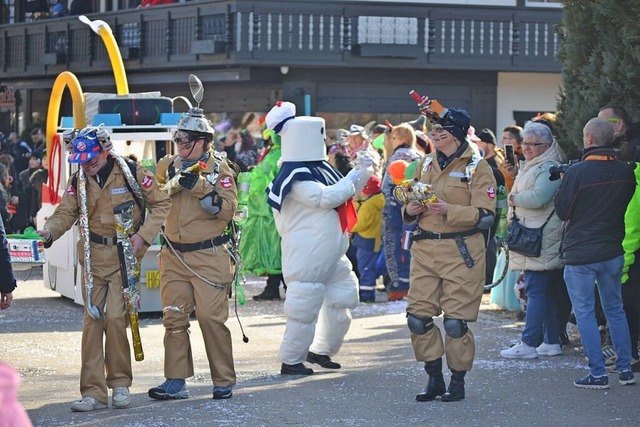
point(309, 199)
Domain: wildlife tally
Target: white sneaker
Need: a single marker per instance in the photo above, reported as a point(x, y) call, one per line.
point(545, 349)
point(121, 397)
point(87, 404)
point(520, 351)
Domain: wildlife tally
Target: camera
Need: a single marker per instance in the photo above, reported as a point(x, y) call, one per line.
point(556, 171)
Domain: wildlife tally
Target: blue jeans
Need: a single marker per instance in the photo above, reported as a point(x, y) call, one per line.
point(541, 324)
point(580, 284)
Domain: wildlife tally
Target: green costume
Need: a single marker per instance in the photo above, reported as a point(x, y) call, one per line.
point(260, 243)
point(631, 242)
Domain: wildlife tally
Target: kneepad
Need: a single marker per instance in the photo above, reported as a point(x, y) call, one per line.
point(419, 325)
point(455, 328)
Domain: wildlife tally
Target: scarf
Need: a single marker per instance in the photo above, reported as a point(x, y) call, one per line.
point(318, 171)
point(187, 163)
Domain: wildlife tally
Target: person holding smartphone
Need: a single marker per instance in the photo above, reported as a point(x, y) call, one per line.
point(531, 203)
point(511, 136)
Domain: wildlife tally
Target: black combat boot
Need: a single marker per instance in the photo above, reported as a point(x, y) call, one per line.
point(436, 386)
point(297, 369)
point(271, 292)
point(455, 392)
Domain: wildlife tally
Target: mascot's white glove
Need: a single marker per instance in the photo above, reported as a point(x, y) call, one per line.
point(363, 160)
point(360, 174)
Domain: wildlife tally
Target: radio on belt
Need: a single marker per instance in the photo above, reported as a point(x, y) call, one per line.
point(26, 251)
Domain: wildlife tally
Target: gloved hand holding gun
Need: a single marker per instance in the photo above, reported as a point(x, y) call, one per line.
point(184, 179)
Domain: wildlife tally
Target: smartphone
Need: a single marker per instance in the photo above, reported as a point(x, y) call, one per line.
point(510, 154)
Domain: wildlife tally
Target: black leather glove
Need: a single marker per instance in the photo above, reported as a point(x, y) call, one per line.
point(188, 180)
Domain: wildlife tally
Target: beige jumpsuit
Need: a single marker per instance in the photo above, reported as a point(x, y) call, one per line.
point(115, 356)
point(182, 290)
point(440, 280)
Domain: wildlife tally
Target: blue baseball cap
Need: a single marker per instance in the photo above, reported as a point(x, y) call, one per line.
point(85, 148)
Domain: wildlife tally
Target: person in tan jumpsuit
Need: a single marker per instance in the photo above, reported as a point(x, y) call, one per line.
point(196, 270)
point(106, 188)
point(448, 254)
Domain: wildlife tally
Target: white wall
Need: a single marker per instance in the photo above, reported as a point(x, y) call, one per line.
point(525, 92)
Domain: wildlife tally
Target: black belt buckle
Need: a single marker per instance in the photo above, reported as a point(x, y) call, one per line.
point(464, 251)
point(101, 240)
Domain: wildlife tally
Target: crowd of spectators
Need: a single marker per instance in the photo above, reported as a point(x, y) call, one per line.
point(587, 269)
point(23, 172)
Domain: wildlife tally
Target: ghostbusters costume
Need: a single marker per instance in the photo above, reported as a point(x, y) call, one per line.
point(313, 212)
point(195, 265)
point(104, 191)
point(448, 259)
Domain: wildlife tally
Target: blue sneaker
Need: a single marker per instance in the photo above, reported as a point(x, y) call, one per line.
point(222, 392)
point(626, 378)
point(172, 388)
point(595, 383)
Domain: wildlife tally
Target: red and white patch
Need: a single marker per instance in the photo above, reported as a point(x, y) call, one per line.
point(147, 181)
point(226, 182)
point(491, 193)
point(71, 190)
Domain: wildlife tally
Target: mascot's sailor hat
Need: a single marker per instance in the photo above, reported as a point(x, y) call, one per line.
point(302, 138)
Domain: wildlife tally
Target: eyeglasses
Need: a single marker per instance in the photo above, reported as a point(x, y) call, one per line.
point(532, 144)
point(613, 119)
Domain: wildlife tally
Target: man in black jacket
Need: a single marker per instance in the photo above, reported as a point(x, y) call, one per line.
point(592, 199)
point(7, 281)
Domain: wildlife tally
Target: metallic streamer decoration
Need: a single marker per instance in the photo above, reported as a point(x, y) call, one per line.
point(133, 182)
point(93, 311)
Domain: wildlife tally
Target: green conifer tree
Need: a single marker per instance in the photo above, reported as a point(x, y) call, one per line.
point(600, 57)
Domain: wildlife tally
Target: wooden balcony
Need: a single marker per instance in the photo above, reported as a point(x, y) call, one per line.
point(237, 35)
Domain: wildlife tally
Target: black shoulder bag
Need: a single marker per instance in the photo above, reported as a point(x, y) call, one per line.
point(524, 240)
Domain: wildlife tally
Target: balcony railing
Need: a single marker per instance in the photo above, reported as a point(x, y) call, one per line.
point(216, 34)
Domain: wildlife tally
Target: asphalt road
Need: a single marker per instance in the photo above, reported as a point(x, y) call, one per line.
point(40, 336)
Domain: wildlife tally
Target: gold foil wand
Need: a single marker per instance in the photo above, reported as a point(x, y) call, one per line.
point(129, 271)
